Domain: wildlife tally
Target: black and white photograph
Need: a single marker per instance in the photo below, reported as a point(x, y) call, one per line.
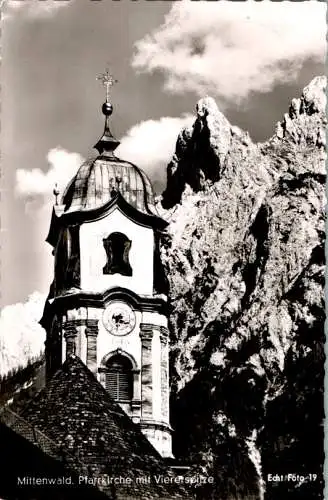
point(162, 260)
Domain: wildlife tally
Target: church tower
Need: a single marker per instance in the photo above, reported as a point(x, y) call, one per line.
point(107, 303)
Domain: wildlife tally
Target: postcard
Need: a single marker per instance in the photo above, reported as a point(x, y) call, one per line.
point(162, 252)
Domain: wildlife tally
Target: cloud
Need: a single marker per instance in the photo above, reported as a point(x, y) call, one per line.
point(21, 336)
point(62, 166)
point(31, 9)
point(151, 144)
point(230, 49)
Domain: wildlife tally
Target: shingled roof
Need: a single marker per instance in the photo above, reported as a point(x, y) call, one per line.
point(76, 412)
point(23, 461)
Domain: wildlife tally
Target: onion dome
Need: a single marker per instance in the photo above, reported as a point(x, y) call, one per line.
point(100, 178)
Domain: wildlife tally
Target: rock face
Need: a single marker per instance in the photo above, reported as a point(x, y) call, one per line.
point(245, 259)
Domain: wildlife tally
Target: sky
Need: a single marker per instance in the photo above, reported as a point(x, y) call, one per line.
point(251, 57)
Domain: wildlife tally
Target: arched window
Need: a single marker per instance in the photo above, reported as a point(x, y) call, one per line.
point(119, 378)
point(117, 247)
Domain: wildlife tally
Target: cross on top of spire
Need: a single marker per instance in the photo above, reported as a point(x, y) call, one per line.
point(107, 143)
point(108, 81)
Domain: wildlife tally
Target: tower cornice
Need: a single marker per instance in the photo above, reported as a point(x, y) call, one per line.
point(85, 216)
point(100, 300)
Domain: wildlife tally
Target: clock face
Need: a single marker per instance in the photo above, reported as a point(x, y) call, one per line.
point(119, 318)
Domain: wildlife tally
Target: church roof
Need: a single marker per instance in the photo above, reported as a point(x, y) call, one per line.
point(97, 181)
point(32, 460)
point(103, 182)
point(98, 178)
point(76, 412)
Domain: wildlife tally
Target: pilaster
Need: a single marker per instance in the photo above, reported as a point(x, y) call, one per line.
point(70, 335)
point(146, 336)
point(91, 332)
point(164, 338)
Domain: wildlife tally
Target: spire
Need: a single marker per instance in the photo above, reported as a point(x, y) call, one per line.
point(107, 143)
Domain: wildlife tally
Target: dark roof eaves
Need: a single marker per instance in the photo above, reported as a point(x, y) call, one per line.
point(85, 216)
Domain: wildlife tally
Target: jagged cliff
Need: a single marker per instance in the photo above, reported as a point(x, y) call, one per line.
point(245, 259)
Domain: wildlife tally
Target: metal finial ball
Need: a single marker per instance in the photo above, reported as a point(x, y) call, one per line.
point(107, 108)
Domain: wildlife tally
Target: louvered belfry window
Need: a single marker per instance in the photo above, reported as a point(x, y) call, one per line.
point(119, 378)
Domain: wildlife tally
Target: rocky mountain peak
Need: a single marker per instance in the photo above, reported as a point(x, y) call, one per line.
point(314, 96)
point(217, 124)
point(304, 123)
point(245, 259)
point(204, 150)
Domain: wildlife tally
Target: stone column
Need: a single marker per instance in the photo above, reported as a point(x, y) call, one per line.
point(91, 332)
point(165, 394)
point(146, 335)
point(70, 337)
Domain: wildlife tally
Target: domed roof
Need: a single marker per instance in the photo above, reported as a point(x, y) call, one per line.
point(100, 178)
